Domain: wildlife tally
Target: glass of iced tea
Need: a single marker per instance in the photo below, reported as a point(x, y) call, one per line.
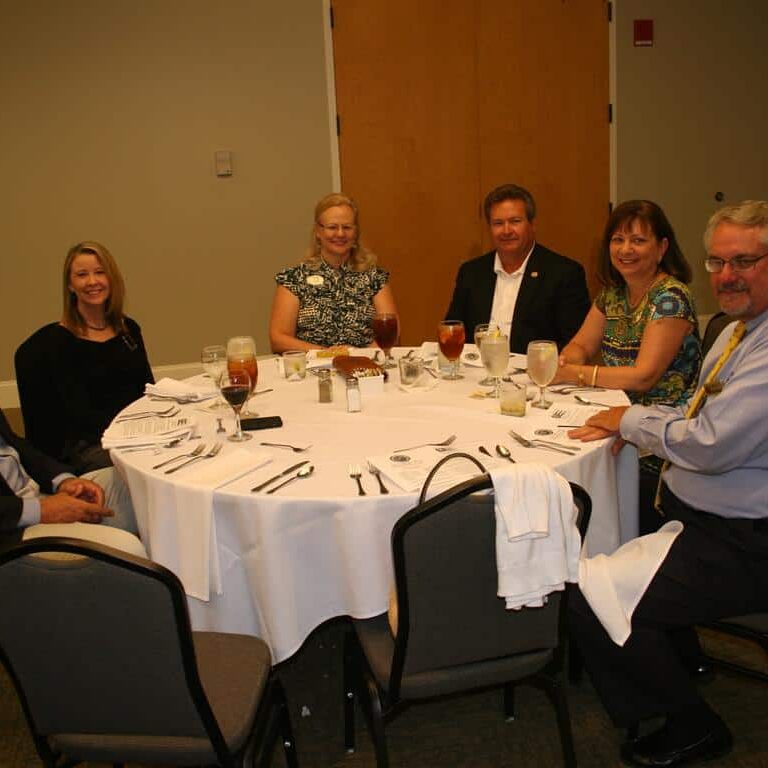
point(385, 332)
point(241, 356)
point(450, 339)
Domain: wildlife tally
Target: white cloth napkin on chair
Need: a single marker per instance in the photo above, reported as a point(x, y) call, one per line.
point(537, 541)
point(613, 584)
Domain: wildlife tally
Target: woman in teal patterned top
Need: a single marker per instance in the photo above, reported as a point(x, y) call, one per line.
point(643, 324)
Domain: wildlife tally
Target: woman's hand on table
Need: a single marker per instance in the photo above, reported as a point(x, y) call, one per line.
point(602, 425)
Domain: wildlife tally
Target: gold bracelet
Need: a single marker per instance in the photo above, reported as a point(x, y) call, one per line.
point(594, 376)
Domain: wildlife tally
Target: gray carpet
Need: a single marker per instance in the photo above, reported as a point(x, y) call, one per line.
point(462, 731)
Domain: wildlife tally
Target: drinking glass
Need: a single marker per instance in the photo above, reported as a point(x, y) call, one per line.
point(494, 352)
point(450, 338)
point(241, 356)
point(214, 360)
point(385, 332)
point(480, 331)
point(542, 367)
point(236, 387)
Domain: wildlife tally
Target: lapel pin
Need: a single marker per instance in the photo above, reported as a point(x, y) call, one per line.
point(534, 274)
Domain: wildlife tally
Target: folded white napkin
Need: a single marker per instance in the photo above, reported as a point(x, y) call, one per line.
point(183, 391)
point(613, 584)
point(226, 467)
point(537, 542)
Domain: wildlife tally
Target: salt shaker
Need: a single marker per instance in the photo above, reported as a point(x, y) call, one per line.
point(353, 395)
point(324, 386)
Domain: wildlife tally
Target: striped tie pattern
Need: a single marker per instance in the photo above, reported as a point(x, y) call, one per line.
point(699, 398)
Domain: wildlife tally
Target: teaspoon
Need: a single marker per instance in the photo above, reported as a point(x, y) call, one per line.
point(302, 473)
point(584, 401)
point(504, 452)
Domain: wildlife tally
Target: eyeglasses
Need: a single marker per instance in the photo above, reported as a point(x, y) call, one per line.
point(347, 229)
point(738, 263)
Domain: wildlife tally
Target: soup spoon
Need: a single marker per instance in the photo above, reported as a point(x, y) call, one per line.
point(504, 452)
point(302, 473)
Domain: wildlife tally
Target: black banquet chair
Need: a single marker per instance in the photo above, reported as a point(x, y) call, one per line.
point(100, 650)
point(752, 627)
point(453, 633)
point(41, 407)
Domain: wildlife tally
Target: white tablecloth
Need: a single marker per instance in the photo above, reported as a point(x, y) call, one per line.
point(279, 565)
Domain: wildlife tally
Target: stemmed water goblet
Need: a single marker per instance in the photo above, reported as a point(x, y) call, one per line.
point(542, 367)
point(385, 332)
point(481, 330)
point(241, 356)
point(214, 360)
point(236, 387)
point(450, 339)
point(494, 352)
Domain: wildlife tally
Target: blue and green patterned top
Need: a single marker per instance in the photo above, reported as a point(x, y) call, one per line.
point(624, 328)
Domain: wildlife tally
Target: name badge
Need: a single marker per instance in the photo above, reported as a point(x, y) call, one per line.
point(315, 280)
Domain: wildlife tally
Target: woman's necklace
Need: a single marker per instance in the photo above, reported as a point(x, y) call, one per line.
point(97, 327)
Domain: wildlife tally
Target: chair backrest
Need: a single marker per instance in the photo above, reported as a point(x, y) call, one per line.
point(100, 643)
point(446, 580)
point(714, 328)
point(41, 407)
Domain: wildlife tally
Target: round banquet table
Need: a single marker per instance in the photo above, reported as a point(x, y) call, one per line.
point(278, 565)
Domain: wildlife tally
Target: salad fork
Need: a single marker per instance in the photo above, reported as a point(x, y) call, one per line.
point(376, 472)
point(356, 472)
point(196, 452)
point(212, 451)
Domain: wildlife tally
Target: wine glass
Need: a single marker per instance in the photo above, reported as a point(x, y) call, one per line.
point(385, 332)
point(542, 367)
point(494, 352)
point(450, 338)
point(480, 331)
point(214, 360)
point(241, 356)
point(236, 387)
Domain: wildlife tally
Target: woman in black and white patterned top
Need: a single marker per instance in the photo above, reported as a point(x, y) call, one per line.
point(331, 297)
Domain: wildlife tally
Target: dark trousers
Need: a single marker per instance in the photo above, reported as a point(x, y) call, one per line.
point(715, 568)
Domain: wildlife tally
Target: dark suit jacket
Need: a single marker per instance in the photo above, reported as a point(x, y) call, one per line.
point(38, 466)
point(552, 303)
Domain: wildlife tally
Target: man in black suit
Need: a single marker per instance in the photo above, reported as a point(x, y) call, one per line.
point(35, 489)
point(526, 289)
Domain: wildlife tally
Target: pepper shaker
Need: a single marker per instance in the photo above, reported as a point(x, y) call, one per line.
point(324, 386)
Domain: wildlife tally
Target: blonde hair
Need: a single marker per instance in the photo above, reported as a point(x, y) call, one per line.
point(113, 310)
point(360, 258)
point(748, 214)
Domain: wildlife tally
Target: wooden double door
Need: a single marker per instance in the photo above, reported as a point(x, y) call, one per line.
point(440, 101)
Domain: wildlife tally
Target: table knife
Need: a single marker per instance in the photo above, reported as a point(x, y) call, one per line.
point(279, 474)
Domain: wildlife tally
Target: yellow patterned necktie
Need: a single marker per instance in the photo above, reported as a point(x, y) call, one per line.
point(707, 387)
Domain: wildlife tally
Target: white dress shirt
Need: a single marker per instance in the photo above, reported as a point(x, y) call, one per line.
point(506, 292)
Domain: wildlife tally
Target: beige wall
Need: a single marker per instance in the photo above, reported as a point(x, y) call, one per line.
point(111, 111)
point(691, 112)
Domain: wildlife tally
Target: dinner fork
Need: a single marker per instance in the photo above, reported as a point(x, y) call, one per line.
point(172, 410)
point(355, 472)
point(376, 472)
point(526, 443)
point(294, 448)
point(196, 452)
point(447, 441)
point(212, 451)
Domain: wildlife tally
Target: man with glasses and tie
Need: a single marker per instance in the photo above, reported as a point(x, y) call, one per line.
point(715, 484)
